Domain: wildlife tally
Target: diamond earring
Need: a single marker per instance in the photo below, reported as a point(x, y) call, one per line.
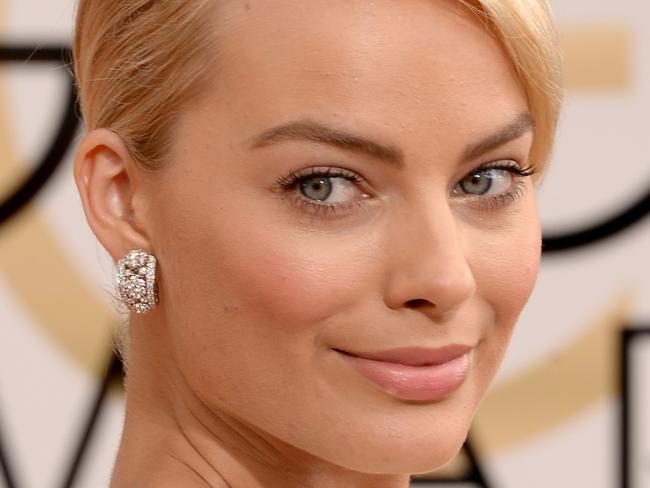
point(136, 281)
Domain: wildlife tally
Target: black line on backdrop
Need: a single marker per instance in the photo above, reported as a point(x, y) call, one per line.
point(625, 408)
point(627, 413)
point(477, 473)
point(29, 53)
point(61, 141)
point(474, 474)
point(49, 162)
point(598, 232)
point(113, 372)
point(5, 465)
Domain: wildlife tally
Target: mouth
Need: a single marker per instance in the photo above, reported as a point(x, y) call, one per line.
point(414, 373)
point(414, 356)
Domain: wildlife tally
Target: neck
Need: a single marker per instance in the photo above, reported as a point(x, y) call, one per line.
point(171, 438)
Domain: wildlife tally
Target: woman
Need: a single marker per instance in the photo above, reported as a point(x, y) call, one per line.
point(339, 197)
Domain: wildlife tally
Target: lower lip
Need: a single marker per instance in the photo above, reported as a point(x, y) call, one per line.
point(420, 383)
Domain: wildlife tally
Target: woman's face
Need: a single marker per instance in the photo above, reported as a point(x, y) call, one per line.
point(349, 182)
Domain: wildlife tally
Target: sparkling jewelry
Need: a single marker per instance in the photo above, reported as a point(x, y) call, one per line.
point(136, 281)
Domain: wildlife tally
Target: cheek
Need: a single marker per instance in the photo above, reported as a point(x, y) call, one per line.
point(251, 277)
point(507, 278)
point(506, 271)
point(298, 280)
point(294, 282)
point(505, 263)
point(259, 289)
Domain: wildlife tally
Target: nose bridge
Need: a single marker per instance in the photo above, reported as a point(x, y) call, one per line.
point(429, 261)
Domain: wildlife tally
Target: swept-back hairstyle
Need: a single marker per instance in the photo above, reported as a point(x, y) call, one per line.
point(137, 62)
point(527, 32)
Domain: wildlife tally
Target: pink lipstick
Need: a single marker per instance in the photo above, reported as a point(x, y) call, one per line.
point(414, 373)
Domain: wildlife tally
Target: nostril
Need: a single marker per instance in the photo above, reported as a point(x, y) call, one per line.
point(418, 302)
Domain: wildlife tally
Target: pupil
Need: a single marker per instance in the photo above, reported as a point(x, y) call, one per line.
point(317, 188)
point(476, 184)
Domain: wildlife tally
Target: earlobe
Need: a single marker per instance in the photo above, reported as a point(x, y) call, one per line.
point(106, 178)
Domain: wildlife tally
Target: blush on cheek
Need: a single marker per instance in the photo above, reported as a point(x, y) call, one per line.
point(505, 279)
point(511, 277)
point(289, 283)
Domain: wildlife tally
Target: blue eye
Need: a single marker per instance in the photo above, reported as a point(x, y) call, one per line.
point(493, 180)
point(325, 190)
point(317, 188)
point(494, 185)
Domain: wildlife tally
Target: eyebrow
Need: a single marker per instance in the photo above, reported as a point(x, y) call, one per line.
point(324, 134)
point(522, 124)
point(308, 130)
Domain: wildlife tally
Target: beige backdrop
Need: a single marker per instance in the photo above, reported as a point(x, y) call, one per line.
point(552, 417)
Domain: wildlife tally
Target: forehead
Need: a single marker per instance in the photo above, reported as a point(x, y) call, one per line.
point(418, 66)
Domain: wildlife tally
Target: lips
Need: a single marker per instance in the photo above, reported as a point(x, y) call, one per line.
point(414, 373)
point(414, 356)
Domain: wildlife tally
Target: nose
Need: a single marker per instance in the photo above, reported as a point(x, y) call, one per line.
point(429, 268)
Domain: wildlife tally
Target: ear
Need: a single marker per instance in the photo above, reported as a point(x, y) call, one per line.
point(108, 183)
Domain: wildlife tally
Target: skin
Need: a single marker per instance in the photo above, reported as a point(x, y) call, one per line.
point(233, 380)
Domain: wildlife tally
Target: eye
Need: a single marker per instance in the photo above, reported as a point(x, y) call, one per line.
point(487, 181)
point(330, 190)
point(496, 178)
point(335, 188)
point(494, 185)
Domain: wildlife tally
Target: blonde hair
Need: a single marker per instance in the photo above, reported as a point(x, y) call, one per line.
point(137, 63)
point(527, 32)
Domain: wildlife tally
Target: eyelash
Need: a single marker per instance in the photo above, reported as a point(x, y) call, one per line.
point(495, 202)
point(290, 182)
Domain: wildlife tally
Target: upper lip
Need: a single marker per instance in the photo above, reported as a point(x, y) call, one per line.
point(415, 356)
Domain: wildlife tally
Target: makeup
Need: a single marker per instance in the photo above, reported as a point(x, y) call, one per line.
point(413, 373)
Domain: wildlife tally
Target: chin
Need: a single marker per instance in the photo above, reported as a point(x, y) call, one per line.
point(405, 453)
point(441, 459)
point(412, 462)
